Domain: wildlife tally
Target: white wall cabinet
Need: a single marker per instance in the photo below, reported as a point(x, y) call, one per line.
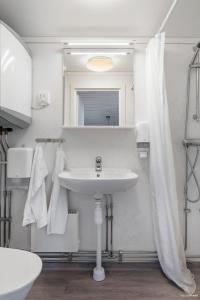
point(15, 79)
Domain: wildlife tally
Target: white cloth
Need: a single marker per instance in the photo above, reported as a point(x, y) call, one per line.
point(36, 203)
point(168, 237)
point(58, 208)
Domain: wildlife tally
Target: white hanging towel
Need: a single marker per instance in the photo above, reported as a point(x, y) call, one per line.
point(58, 208)
point(36, 204)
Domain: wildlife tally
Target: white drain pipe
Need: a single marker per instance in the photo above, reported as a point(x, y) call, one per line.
point(98, 272)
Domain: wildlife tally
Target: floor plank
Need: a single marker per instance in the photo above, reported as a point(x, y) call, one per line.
point(123, 282)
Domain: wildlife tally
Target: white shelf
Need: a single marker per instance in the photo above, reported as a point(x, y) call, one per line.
point(98, 127)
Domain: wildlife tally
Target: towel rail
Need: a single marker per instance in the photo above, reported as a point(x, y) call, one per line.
point(49, 140)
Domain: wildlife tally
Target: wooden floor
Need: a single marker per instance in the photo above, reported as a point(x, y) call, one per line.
point(123, 282)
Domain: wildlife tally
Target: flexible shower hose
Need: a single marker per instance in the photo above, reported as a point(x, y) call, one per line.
point(191, 175)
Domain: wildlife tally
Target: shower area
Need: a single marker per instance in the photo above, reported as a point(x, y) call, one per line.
point(191, 141)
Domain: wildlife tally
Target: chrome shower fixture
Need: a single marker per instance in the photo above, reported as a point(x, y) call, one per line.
point(192, 146)
point(193, 70)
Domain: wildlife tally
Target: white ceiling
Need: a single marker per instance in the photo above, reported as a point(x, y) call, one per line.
point(89, 18)
point(185, 20)
point(100, 18)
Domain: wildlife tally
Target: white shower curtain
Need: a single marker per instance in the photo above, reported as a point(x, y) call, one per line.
point(168, 237)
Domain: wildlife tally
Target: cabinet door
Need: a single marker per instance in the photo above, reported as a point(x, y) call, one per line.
point(16, 75)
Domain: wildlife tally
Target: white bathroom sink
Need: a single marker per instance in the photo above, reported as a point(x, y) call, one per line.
point(97, 183)
point(88, 181)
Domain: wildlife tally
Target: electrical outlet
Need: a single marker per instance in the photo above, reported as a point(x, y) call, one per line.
point(43, 99)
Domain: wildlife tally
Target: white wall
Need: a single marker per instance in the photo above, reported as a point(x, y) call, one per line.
point(132, 210)
point(47, 75)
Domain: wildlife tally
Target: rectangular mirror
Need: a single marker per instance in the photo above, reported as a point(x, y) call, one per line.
point(98, 98)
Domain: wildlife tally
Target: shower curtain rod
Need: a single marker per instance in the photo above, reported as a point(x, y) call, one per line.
point(170, 11)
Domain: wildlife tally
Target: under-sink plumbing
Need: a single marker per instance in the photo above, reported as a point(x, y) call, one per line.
point(98, 165)
point(5, 195)
point(109, 229)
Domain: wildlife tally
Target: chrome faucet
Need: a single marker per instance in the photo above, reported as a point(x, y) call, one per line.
point(98, 164)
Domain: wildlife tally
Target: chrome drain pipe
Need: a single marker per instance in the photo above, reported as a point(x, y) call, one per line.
point(107, 211)
point(111, 225)
point(5, 195)
point(109, 221)
point(119, 256)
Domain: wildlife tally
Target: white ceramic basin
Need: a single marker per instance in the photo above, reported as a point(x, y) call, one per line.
point(88, 181)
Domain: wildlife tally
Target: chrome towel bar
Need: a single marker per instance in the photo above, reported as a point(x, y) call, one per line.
point(49, 140)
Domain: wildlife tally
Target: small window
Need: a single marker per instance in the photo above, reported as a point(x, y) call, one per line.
point(98, 107)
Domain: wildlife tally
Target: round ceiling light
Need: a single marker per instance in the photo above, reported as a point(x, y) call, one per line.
point(100, 64)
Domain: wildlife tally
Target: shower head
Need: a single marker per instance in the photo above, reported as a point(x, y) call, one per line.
point(197, 47)
point(196, 53)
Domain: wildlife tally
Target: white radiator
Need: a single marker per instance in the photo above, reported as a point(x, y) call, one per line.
point(68, 242)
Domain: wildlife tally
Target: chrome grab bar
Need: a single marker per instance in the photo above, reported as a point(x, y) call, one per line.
point(49, 140)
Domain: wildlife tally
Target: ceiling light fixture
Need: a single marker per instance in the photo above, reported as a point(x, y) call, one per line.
point(99, 43)
point(98, 53)
point(100, 64)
